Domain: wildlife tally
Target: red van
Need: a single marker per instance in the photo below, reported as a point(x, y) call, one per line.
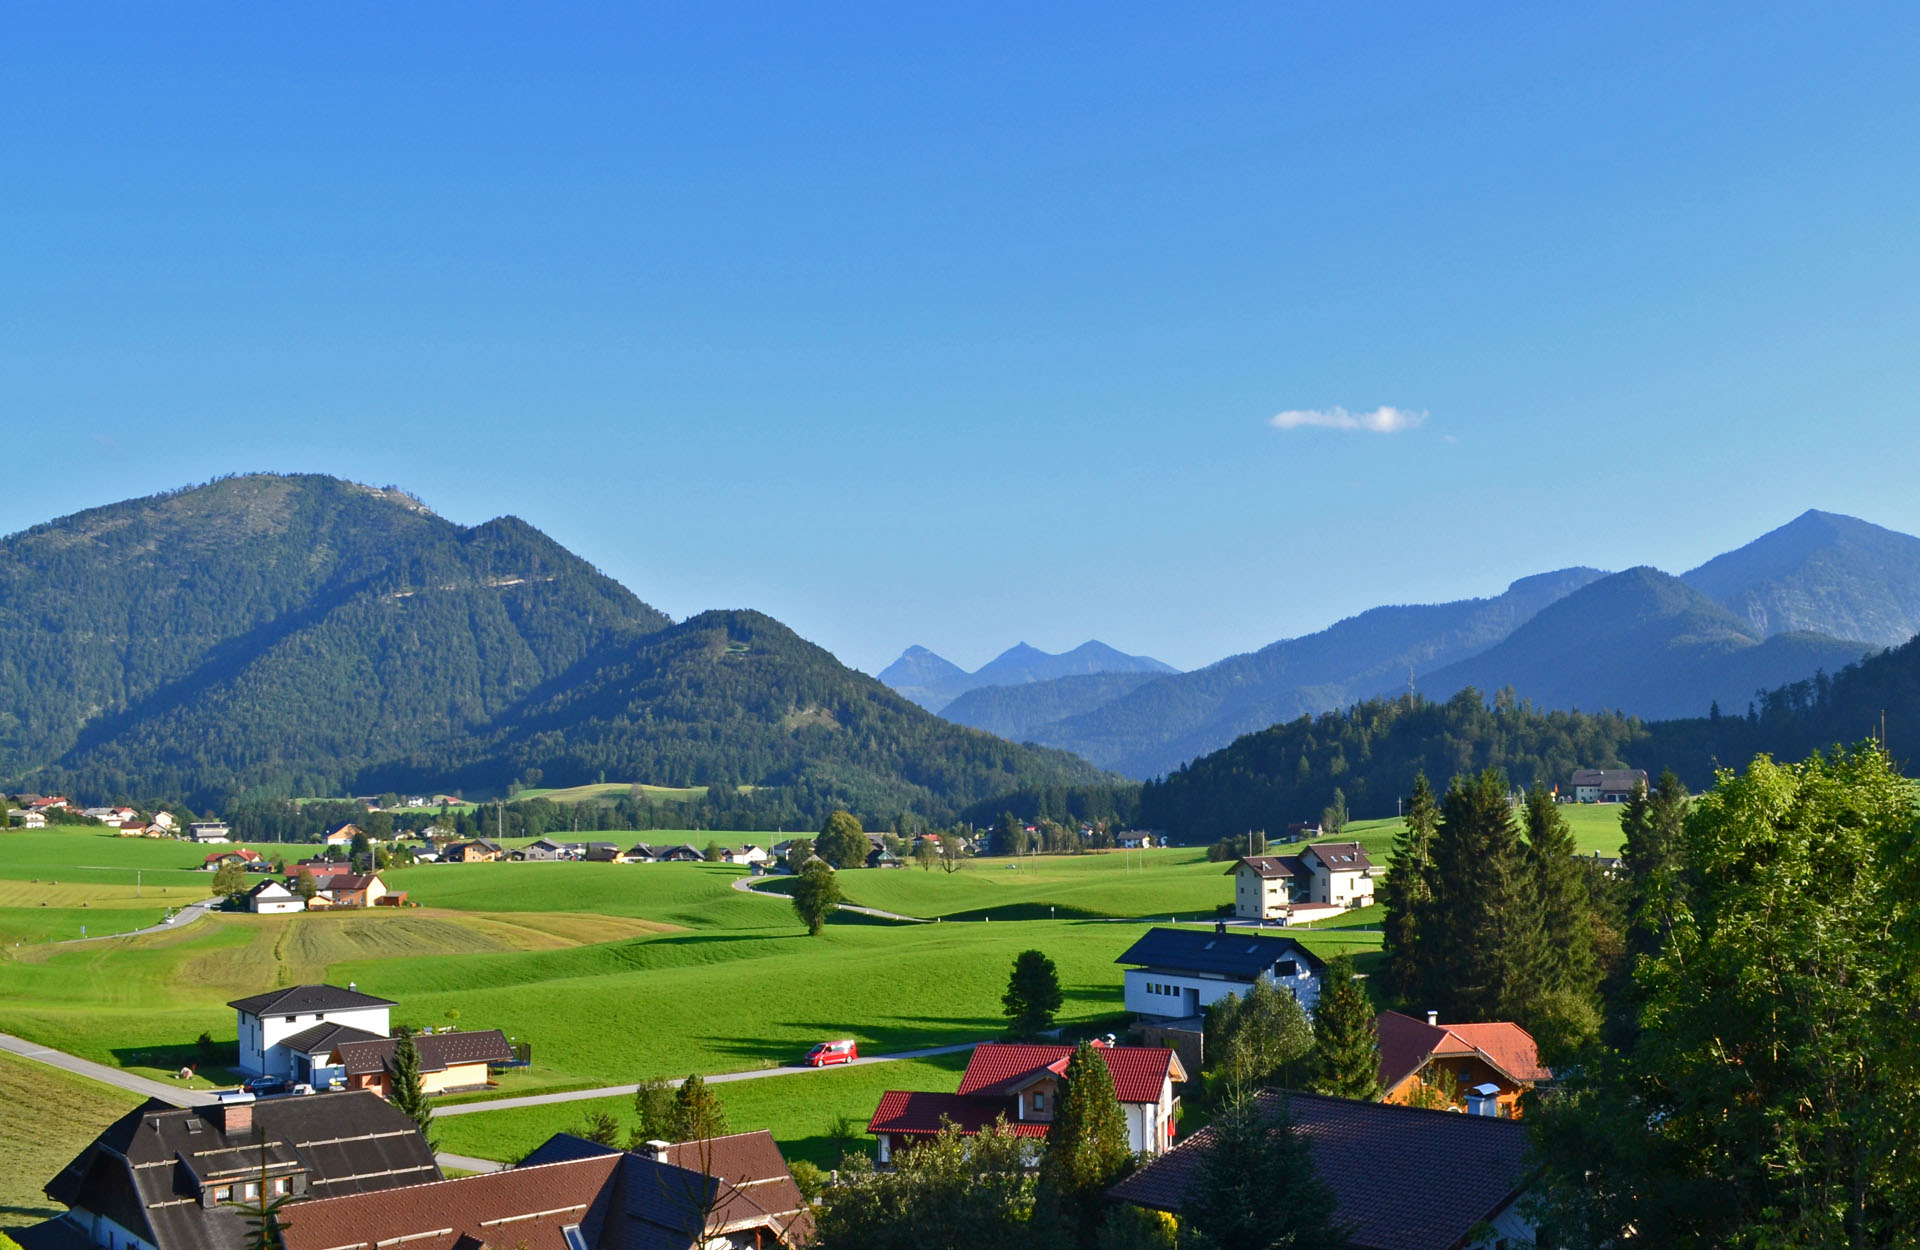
point(832, 1052)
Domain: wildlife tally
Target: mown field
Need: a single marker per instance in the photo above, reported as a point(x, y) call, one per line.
point(50, 1117)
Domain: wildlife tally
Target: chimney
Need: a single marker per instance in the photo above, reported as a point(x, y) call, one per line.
point(236, 1113)
point(353, 987)
point(1433, 1018)
point(658, 1149)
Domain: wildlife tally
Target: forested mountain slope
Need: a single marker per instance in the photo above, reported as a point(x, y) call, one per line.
point(1645, 643)
point(1172, 719)
point(1824, 573)
point(1372, 750)
point(738, 698)
point(305, 635)
point(1022, 713)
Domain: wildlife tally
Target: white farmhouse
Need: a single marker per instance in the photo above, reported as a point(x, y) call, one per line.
point(1178, 973)
point(268, 1021)
point(270, 898)
point(1330, 874)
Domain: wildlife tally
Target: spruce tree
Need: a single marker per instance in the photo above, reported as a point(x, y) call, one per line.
point(1087, 1150)
point(1255, 1188)
point(1565, 909)
point(1033, 994)
point(1346, 1050)
point(1653, 825)
point(1407, 895)
point(1498, 958)
point(408, 1095)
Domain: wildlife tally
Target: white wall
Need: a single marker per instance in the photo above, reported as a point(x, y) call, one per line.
point(102, 1231)
point(260, 1049)
point(1140, 1001)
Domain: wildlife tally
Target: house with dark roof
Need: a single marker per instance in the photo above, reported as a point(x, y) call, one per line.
point(546, 848)
point(1402, 1178)
point(478, 851)
point(271, 898)
point(1336, 875)
point(160, 1178)
point(1606, 785)
point(1489, 1065)
point(449, 1062)
point(268, 1021)
point(1178, 973)
point(1020, 1085)
point(348, 889)
point(732, 1192)
point(685, 853)
point(342, 835)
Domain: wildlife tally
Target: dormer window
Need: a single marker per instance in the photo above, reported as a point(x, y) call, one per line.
point(1039, 1101)
point(223, 1194)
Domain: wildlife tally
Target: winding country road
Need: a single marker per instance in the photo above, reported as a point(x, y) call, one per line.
point(179, 920)
point(745, 886)
point(144, 1086)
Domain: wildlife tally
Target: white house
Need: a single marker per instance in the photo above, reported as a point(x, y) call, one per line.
point(208, 831)
point(1333, 874)
point(1606, 785)
point(267, 1021)
point(270, 898)
point(745, 855)
point(1178, 973)
point(28, 820)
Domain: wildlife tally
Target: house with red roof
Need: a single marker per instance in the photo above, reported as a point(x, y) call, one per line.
point(1020, 1084)
point(1492, 1064)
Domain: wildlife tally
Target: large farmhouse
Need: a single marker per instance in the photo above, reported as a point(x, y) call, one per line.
point(1020, 1084)
point(1606, 785)
point(1178, 973)
point(1326, 874)
point(268, 1022)
point(165, 1179)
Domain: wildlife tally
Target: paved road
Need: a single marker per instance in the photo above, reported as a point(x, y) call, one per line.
point(182, 918)
point(467, 1163)
point(745, 886)
point(615, 1091)
point(144, 1086)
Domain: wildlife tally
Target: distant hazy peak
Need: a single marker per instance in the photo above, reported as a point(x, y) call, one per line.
point(1821, 571)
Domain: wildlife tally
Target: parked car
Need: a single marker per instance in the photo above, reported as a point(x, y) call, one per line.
point(828, 1053)
point(268, 1086)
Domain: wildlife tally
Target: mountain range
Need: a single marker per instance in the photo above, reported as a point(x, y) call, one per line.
point(304, 635)
point(1816, 593)
point(934, 682)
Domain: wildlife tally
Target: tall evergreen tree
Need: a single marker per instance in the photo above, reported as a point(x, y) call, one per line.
point(408, 1095)
point(1407, 895)
point(1650, 860)
point(1087, 1151)
point(1033, 994)
point(1346, 1050)
point(1488, 906)
point(1566, 911)
point(1255, 1188)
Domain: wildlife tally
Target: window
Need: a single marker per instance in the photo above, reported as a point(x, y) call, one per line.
point(223, 1194)
point(250, 1191)
point(1287, 968)
point(1039, 1101)
point(280, 1186)
point(574, 1240)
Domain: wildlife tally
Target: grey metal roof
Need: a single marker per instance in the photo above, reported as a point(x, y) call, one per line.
point(301, 999)
point(325, 1036)
point(1238, 953)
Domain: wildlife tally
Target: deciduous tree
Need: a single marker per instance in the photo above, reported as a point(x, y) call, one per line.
point(816, 895)
point(955, 1192)
point(1256, 1037)
point(842, 842)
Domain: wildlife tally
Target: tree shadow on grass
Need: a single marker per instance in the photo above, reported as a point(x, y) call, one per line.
point(175, 1056)
point(907, 1034)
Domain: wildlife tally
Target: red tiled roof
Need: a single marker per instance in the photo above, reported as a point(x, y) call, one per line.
point(1407, 1044)
point(916, 1112)
point(1402, 1178)
point(522, 1206)
point(1139, 1072)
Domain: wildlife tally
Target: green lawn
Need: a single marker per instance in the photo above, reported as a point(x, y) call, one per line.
point(799, 1109)
point(51, 1116)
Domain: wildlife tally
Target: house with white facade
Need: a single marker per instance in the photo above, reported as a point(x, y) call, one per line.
point(268, 1021)
point(1326, 874)
point(209, 831)
point(1021, 1084)
point(1606, 785)
point(1176, 974)
point(271, 898)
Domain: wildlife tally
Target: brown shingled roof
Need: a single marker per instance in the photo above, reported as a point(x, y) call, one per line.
point(499, 1208)
point(1402, 1178)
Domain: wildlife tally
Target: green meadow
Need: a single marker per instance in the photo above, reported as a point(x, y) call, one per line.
point(614, 973)
point(51, 1116)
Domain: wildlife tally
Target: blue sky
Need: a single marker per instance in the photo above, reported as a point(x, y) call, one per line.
point(967, 327)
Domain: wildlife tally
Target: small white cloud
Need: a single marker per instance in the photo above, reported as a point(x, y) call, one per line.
point(1379, 421)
